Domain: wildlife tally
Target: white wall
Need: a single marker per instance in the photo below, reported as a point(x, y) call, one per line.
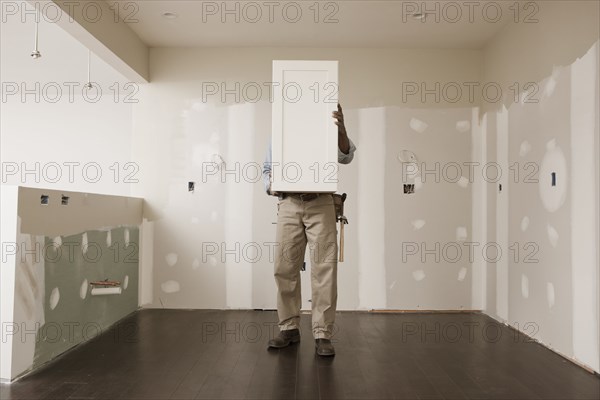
point(9, 214)
point(53, 140)
point(176, 131)
point(67, 142)
point(550, 288)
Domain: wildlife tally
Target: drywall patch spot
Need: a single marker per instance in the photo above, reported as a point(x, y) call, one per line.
point(463, 126)
point(463, 182)
point(170, 286)
point(525, 148)
point(195, 220)
point(195, 264)
point(462, 273)
point(524, 223)
point(54, 298)
point(551, 83)
point(553, 177)
point(108, 238)
point(550, 86)
point(198, 106)
point(83, 289)
point(171, 259)
point(418, 275)
point(212, 261)
point(84, 243)
point(214, 138)
point(126, 237)
point(392, 285)
point(406, 156)
point(417, 224)
point(418, 183)
point(125, 282)
point(461, 234)
point(213, 216)
point(552, 235)
point(550, 294)
point(417, 125)
point(57, 242)
point(524, 286)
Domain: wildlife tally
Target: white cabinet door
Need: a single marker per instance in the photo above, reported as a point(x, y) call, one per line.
point(304, 135)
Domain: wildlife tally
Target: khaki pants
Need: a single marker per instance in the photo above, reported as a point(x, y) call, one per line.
point(300, 223)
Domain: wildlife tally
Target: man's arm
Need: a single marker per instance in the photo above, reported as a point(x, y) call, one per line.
point(344, 158)
point(346, 148)
point(267, 170)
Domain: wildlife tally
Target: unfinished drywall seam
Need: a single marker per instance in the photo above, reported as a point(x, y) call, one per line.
point(502, 210)
point(479, 210)
point(239, 204)
point(146, 273)
point(584, 240)
point(8, 212)
point(372, 293)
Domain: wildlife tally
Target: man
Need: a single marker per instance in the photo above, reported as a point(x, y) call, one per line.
point(307, 218)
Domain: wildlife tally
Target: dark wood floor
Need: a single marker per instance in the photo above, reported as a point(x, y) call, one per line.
point(204, 354)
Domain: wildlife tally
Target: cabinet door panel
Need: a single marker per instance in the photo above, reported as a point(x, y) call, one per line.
point(304, 136)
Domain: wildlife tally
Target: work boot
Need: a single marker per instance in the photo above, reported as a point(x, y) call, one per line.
point(324, 347)
point(285, 338)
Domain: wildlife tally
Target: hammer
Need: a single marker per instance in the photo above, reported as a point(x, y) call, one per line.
point(343, 221)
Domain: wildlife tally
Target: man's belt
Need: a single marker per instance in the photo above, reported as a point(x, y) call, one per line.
point(301, 196)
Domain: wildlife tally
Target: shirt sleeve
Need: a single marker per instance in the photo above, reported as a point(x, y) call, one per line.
point(347, 158)
point(266, 173)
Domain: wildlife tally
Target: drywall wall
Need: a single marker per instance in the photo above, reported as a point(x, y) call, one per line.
point(207, 113)
point(73, 316)
point(547, 283)
point(57, 250)
point(55, 134)
point(9, 214)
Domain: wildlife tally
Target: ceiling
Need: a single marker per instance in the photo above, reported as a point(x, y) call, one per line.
point(312, 23)
point(64, 58)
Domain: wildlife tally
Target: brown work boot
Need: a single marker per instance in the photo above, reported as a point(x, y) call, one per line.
point(285, 338)
point(324, 347)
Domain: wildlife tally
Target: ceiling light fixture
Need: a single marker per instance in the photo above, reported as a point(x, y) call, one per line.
point(35, 54)
point(89, 85)
point(170, 15)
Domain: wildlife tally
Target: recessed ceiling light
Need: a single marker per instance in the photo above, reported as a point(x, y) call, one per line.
point(170, 15)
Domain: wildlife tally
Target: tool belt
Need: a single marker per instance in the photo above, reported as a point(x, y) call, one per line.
point(301, 196)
